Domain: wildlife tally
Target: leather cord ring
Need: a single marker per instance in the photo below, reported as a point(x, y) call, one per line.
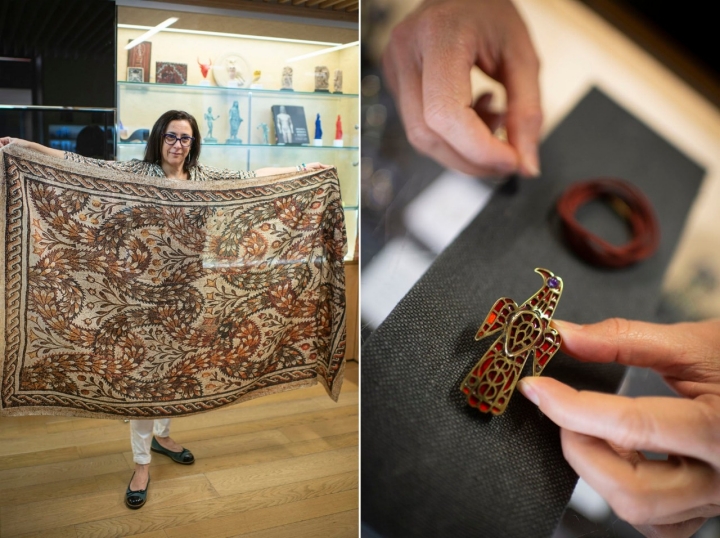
point(629, 203)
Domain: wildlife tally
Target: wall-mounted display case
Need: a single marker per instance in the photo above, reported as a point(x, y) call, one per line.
point(235, 84)
point(254, 144)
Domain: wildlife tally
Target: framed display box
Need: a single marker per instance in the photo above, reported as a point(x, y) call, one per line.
point(290, 125)
point(170, 73)
point(135, 74)
point(139, 57)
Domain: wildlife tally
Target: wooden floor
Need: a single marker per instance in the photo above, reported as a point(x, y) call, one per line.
point(281, 466)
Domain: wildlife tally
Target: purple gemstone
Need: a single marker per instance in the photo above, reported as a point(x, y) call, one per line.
point(553, 282)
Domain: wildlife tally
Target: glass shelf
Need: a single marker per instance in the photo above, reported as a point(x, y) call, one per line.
point(206, 145)
point(151, 86)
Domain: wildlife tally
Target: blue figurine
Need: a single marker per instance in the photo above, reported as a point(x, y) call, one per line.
point(318, 132)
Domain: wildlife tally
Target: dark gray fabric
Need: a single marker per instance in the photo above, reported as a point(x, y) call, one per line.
point(433, 466)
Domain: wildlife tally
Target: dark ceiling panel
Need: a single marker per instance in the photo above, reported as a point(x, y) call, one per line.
point(337, 10)
point(48, 20)
point(59, 28)
point(86, 28)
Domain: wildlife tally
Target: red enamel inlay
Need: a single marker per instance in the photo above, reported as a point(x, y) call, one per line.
point(545, 346)
point(466, 390)
point(484, 367)
point(492, 317)
point(484, 407)
point(473, 401)
point(543, 360)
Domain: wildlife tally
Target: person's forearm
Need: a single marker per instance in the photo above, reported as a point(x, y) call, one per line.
point(290, 169)
point(46, 150)
point(269, 171)
point(40, 148)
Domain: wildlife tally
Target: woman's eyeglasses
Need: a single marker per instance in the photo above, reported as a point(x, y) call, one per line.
point(185, 141)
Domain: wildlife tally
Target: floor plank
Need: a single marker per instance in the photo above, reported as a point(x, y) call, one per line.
point(42, 492)
point(29, 459)
point(61, 532)
point(281, 465)
point(342, 525)
point(65, 511)
point(268, 518)
point(319, 429)
point(164, 469)
point(205, 514)
point(56, 472)
point(277, 473)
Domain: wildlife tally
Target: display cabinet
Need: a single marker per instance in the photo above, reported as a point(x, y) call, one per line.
point(87, 131)
point(218, 76)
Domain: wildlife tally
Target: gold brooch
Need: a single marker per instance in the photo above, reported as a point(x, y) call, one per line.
point(526, 332)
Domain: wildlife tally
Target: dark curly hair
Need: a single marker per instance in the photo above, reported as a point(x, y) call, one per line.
point(153, 150)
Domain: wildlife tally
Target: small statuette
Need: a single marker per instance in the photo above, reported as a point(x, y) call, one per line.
point(338, 142)
point(235, 121)
point(317, 141)
point(265, 130)
point(526, 333)
point(234, 77)
point(287, 79)
point(322, 79)
point(255, 84)
point(337, 81)
point(210, 119)
point(204, 69)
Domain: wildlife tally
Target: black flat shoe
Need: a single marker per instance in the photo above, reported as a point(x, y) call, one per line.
point(136, 499)
point(184, 456)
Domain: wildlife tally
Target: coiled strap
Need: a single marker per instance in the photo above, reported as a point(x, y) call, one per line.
point(629, 203)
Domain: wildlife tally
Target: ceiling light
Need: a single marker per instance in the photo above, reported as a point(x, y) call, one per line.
point(151, 32)
point(323, 51)
point(225, 34)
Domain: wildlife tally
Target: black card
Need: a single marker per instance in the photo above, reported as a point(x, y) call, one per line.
point(432, 465)
point(290, 125)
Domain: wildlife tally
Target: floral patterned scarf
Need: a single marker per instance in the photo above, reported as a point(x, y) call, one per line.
point(132, 296)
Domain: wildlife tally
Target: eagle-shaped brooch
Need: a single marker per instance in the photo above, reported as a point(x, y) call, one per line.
point(526, 333)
